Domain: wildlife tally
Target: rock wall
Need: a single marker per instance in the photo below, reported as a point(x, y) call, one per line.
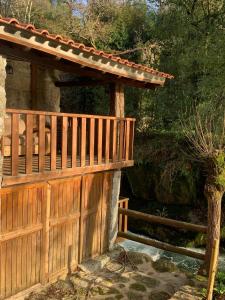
point(48, 95)
point(18, 85)
point(18, 88)
point(2, 106)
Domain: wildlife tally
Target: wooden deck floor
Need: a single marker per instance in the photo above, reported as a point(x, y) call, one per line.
point(7, 167)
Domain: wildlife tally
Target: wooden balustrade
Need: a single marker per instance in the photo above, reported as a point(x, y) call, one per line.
point(41, 142)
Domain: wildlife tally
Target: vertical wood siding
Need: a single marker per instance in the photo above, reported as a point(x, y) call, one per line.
point(46, 229)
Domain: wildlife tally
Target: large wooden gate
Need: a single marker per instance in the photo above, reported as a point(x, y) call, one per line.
point(46, 229)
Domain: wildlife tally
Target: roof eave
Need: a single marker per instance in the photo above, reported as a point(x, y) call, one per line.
point(87, 59)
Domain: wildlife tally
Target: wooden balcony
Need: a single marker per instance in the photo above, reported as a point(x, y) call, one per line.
point(44, 145)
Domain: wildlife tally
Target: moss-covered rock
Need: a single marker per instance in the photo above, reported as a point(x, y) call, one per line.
point(159, 296)
point(164, 265)
point(138, 287)
point(147, 281)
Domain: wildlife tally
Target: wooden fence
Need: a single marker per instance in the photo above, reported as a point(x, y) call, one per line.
point(122, 219)
point(163, 221)
point(46, 229)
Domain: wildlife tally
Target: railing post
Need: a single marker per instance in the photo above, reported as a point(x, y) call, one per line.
point(53, 142)
point(83, 142)
point(74, 142)
point(41, 144)
point(64, 141)
point(92, 141)
point(99, 141)
point(29, 143)
point(15, 143)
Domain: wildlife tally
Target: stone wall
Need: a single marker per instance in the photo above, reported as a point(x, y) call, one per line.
point(2, 106)
point(48, 95)
point(18, 88)
point(18, 85)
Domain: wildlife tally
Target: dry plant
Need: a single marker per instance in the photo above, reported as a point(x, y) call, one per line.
point(205, 131)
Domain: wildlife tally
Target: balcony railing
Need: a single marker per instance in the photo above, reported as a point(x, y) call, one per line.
point(57, 144)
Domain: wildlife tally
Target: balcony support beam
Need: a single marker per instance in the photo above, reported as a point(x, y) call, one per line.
point(2, 109)
point(116, 110)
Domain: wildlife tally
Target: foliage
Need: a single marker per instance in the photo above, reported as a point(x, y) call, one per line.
point(220, 283)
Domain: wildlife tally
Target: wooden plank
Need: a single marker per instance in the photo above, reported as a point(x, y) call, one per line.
point(99, 141)
point(9, 180)
point(59, 114)
point(29, 143)
point(163, 221)
point(92, 141)
point(3, 268)
point(161, 245)
point(53, 142)
point(83, 142)
point(8, 269)
point(121, 141)
point(125, 217)
point(15, 143)
point(45, 241)
point(74, 142)
point(131, 154)
point(114, 140)
point(64, 141)
point(107, 141)
point(41, 144)
point(67, 219)
point(20, 232)
point(127, 141)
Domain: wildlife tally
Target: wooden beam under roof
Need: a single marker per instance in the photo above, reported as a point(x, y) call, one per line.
point(81, 82)
point(13, 51)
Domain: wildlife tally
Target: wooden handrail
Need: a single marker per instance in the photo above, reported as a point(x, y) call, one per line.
point(60, 114)
point(161, 245)
point(162, 220)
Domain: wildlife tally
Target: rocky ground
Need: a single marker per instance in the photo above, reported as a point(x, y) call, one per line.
point(125, 275)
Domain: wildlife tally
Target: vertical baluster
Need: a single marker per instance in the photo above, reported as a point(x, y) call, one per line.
point(99, 141)
point(53, 142)
point(127, 140)
point(83, 142)
point(107, 140)
point(15, 143)
point(74, 142)
point(121, 145)
point(29, 143)
point(92, 141)
point(41, 144)
point(132, 140)
point(64, 141)
point(114, 139)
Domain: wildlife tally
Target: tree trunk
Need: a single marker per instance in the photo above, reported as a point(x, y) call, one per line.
point(214, 197)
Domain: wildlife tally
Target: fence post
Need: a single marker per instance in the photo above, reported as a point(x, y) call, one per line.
point(212, 270)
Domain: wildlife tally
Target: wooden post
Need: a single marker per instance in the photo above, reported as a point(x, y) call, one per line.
point(117, 110)
point(117, 100)
point(213, 268)
point(2, 109)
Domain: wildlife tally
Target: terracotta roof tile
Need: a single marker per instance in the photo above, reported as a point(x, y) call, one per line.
point(58, 38)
